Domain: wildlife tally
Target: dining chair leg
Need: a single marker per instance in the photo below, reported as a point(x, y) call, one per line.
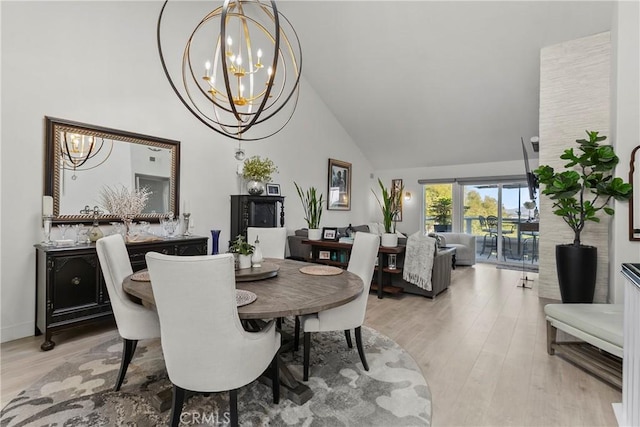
point(233, 408)
point(176, 405)
point(363, 359)
point(296, 334)
point(275, 377)
point(307, 353)
point(128, 348)
point(347, 334)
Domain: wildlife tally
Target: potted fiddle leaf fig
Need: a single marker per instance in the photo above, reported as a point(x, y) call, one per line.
point(312, 205)
point(580, 193)
point(389, 205)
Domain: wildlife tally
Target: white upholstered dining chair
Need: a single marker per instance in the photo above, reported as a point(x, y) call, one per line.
point(205, 348)
point(273, 240)
point(135, 322)
point(351, 315)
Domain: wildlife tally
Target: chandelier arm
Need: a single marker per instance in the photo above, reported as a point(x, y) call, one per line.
point(75, 160)
point(95, 166)
point(173, 86)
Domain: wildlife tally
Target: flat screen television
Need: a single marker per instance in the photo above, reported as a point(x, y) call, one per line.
point(532, 180)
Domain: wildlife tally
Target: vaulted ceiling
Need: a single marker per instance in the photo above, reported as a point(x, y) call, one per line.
point(426, 83)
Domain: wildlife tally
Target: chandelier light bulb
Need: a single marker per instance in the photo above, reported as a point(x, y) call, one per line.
point(239, 60)
point(259, 53)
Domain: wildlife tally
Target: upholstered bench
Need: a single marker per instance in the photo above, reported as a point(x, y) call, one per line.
point(600, 325)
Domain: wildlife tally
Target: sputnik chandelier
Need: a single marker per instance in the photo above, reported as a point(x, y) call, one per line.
point(240, 68)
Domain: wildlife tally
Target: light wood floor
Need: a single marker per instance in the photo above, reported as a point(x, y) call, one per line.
point(481, 346)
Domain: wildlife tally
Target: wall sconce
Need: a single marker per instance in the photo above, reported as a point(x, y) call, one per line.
point(407, 196)
point(535, 143)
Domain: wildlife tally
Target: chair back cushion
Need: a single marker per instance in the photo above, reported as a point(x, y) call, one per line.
point(273, 240)
point(362, 263)
point(134, 321)
point(203, 342)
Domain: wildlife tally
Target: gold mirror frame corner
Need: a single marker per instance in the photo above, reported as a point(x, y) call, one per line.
point(52, 166)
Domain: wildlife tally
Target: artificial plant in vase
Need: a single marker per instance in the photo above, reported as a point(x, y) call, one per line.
point(126, 204)
point(390, 205)
point(312, 206)
point(257, 171)
point(243, 249)
point(579, 194)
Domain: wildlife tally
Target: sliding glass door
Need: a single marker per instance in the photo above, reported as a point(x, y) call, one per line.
point(498, 213)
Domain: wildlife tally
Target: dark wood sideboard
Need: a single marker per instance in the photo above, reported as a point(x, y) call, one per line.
point(70, 288)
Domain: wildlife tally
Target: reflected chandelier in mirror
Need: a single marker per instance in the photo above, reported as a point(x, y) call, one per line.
point(82, 159)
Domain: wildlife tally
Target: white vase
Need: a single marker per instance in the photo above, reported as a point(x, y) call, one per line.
point(255, 188)
point(389, 240)
point(244, 261)
point(315, 234)
point(256, 258)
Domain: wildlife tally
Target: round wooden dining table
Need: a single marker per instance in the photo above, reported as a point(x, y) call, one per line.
point(288, 293)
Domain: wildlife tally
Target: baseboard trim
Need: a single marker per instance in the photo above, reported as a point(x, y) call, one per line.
point(18, 331)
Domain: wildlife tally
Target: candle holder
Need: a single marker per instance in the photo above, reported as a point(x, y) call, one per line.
point(186, 231)
point(46, 222)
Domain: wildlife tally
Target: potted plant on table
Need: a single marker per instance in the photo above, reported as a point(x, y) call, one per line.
point(390, 205)
point(257, 171)
point(312, 206)
point(579, 194)
point(243, 249)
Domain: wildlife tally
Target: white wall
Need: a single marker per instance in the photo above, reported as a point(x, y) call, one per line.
point(625, 132)
point(97, 62)
point(574, 97)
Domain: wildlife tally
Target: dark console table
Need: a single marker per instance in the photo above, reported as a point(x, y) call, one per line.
point(70, 289)
point(342, 253)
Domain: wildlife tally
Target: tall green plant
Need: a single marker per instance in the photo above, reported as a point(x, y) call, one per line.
point(311, 204)
point(390, 206)
point(578, 195)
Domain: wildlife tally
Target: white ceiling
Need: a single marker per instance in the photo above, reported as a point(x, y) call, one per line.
point(426, 83)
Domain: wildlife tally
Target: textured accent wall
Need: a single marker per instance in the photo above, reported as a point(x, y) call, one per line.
point(574, 97)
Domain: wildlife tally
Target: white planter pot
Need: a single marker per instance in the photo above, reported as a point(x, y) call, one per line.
point(389, 240)
point(315, 234)
point(244, 261)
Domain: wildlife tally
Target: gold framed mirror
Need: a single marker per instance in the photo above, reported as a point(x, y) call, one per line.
point(81, 159)
point(634, 201)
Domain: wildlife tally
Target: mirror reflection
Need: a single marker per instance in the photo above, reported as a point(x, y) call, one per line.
point(82, 159)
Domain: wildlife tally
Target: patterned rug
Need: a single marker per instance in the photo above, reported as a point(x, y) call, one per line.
point(80, 392)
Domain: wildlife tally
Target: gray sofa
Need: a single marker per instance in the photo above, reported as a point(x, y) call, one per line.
point(465, 245)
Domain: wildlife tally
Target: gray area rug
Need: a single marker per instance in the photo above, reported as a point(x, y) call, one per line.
point(79, 393)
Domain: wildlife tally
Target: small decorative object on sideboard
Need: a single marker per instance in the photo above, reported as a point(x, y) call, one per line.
point(126, 204)
point(94, 232)
point(257, 171)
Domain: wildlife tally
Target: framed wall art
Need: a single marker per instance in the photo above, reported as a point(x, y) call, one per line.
point(396, 187)
point(339, 186)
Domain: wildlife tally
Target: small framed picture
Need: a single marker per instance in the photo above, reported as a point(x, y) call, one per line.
point(324, 255)
point(273, 189)
point(329, 233)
